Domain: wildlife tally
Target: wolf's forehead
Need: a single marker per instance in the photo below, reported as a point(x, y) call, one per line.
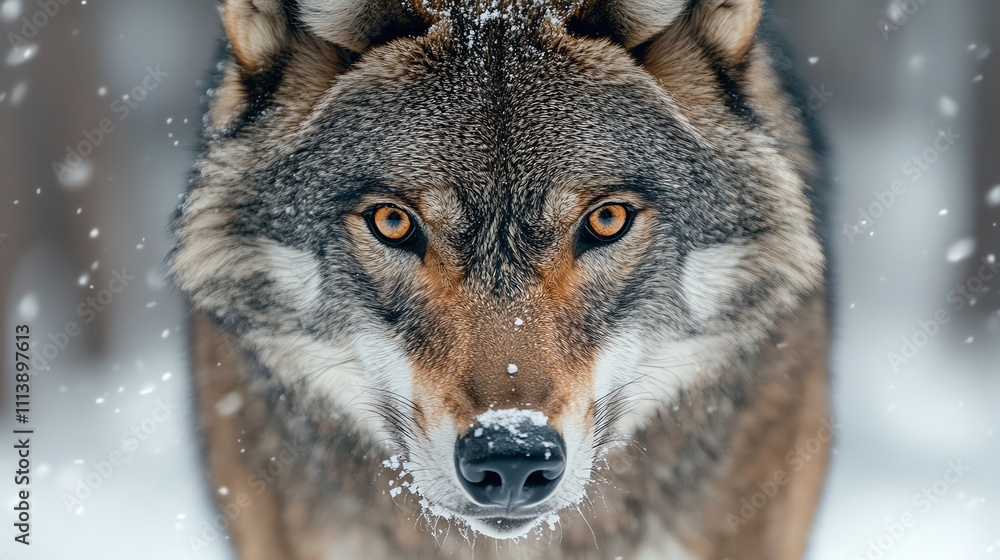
point(546, 125)
point(497, 83)
point(513, 27)
point(496, 113)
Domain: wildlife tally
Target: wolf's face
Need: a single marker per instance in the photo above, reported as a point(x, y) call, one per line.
point(507, 229)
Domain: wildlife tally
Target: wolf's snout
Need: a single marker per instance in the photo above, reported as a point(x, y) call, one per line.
point(509, 466)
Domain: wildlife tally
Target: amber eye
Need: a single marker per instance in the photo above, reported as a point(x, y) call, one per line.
point(609, 222)
point(390, 224)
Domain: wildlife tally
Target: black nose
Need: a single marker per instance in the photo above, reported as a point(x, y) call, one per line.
point(510, 466)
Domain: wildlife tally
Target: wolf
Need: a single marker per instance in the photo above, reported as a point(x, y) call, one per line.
point(508, 278)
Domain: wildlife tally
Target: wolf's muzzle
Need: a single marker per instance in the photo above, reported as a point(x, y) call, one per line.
point(510, 467)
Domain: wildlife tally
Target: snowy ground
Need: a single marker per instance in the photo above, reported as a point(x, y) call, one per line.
point(901, 425)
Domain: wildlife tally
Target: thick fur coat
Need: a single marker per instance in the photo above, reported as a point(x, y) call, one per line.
point(682, 361)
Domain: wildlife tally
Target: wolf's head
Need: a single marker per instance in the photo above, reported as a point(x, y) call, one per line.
point(514, 228)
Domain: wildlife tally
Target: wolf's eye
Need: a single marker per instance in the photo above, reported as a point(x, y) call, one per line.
point(605, 225)
point(390, 224)
point(609, 222)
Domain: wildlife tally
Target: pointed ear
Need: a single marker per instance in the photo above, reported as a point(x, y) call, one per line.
point(727, 26)
point(359, 24)
point(258, 30)
point(261, 29)
point(627, 22)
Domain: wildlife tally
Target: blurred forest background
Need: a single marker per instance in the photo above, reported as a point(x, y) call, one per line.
point(908, 91)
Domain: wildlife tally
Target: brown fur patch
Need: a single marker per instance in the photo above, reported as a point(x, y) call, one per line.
point(257, 532)
point(465, 366)
point(461, 370)
point(727, 25)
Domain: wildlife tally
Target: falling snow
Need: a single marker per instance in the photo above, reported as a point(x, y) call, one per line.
point(129, 371)
point(961, 249)
point(28, 307)
point(948, 106)
point(993, 196)
point(10, 10)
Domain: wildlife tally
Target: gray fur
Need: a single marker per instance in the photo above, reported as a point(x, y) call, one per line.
point(498, 111)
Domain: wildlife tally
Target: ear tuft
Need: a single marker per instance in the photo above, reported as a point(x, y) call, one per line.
point(627, 22)
point(729, 26)
point(257, 30)
point(360, 24)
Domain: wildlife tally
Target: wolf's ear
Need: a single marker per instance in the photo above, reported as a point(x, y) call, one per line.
point(727, 26)
point(628, 22)
point(359, 24)
point(261, 29)
point(257, 29)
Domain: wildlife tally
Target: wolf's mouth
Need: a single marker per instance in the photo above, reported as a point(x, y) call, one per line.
point(500, 523)
point(504, 527)
point(485, 513)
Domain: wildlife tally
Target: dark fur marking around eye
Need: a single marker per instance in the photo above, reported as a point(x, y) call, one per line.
point(588, 238)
